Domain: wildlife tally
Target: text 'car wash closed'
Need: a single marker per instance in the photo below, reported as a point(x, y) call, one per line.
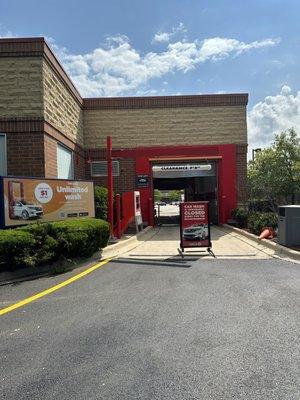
point(191, 212)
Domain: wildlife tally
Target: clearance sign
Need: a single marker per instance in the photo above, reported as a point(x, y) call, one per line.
point(194, 224)
point(27, 200)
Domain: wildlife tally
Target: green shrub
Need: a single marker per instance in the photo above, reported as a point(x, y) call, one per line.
point(241, 217)
point(257, 221)
point(80, 238)
point(16, 249)
point(41, 243)
point(46, 246)
point(71, 238)
point(100, 194)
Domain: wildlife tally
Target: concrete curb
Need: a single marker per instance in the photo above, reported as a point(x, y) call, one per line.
point(278, 249)
point(123, 246)
point(30, 274)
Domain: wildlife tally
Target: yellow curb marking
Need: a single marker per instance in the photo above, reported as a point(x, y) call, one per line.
point(53, 288)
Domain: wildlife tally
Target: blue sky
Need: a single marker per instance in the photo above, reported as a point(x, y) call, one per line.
point(171, 47)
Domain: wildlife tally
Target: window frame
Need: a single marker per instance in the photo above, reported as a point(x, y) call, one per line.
point(5, 152)
point(62, 146)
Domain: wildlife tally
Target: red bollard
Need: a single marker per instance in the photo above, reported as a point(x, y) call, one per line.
point(118, 212)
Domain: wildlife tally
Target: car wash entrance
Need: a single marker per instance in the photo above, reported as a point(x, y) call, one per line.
point(207, 173)
point(197, 181)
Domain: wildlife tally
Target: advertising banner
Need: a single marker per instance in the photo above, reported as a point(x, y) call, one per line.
point(194, 224)
point(27, 200)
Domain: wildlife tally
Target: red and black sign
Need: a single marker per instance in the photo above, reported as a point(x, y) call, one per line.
point(194, 224)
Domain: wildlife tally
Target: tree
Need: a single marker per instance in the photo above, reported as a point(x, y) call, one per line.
point(175, 195)
point(274, 175)
point(157, 195)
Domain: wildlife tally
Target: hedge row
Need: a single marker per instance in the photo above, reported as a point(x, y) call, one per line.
point(255, 221)
point(37, 244)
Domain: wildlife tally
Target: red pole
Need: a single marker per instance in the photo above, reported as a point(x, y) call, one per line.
point(110, 199)
point(118, 209)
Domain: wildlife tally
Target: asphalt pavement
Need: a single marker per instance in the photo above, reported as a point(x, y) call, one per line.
point(221, 329)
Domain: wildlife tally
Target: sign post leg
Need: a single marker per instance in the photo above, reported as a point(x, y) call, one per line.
point(209, 250)
point(180, 251)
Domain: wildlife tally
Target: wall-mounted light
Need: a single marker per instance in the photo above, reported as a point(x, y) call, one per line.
point(254, 151)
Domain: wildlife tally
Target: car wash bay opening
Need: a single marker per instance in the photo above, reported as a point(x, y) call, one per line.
point(198, 180)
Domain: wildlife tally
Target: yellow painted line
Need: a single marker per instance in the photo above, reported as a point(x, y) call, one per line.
point(53, 288)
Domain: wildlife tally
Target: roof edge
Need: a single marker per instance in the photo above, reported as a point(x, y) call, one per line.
point(203, 100)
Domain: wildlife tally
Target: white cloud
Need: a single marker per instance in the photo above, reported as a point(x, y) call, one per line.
point(217, 48)
point(167, 36)
point(5, 33)
point(273, 115)
point(117, 68)
point(162, 37)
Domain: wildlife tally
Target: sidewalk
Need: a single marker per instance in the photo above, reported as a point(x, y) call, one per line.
point(164, 243)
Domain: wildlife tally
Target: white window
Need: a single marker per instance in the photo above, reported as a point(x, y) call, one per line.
point(99, 168)
point(3, 160)
point(65, 168)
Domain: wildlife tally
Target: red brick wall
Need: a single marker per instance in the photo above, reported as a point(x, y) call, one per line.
point(50, 148)
point(241, 160)
point(79, 165)
point(123, 183)
point(32, 149)
point(127, 175)
point(25, 154)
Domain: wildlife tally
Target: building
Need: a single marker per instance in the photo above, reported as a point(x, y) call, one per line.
point(197, 143)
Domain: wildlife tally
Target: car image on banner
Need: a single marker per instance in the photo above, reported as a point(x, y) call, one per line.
point(195, 232)
point(23, 210)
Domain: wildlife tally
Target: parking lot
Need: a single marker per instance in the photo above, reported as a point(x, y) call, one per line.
point(150, 327)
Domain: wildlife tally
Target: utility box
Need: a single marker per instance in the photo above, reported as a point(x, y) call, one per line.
point(289, 225)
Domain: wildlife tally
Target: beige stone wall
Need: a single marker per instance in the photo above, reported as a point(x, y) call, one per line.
point(21, 93)
point(61, 109)
point(168, 126)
